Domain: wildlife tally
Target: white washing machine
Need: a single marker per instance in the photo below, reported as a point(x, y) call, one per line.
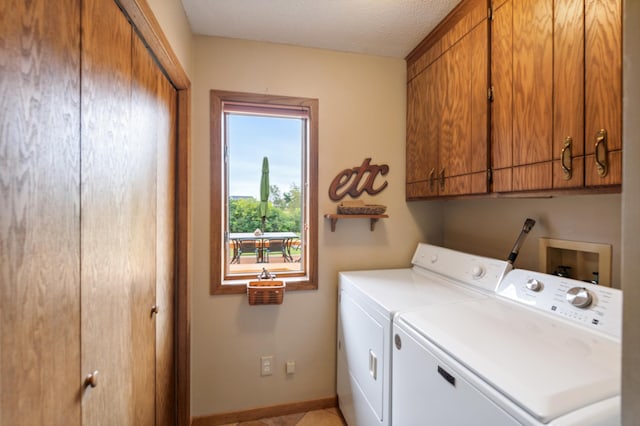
point(368, 301)
point(545, 351)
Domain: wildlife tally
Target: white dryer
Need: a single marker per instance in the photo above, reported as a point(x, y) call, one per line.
point(544, 351)
point(368, 301)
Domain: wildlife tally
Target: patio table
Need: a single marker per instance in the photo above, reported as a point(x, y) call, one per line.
point(285, 237)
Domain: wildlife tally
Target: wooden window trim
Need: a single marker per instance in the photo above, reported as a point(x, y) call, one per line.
point(217, 206)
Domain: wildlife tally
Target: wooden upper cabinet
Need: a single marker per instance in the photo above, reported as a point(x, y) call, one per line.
point(463, 148)
point(447, 107)
point(603, 92)
point(556, 74)
point(423, 129)
point(502, 105)
point(532, 94)
point(568, 99)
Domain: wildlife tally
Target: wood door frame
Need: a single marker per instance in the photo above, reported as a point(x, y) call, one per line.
point(147, 26)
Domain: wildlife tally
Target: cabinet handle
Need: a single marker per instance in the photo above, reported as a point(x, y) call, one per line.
point(566, 158)
point(432, 180)
point(442, 179)
point(601, 160)
point(154, 310)
point(91, 379)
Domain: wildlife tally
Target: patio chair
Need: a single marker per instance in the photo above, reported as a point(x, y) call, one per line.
point(235, 250)
point(293, 244)
point(275, 246)
point(249, 246)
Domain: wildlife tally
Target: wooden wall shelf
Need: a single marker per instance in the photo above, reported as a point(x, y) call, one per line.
point(372, 217)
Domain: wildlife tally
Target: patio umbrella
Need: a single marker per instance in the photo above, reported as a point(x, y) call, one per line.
point(264, 191)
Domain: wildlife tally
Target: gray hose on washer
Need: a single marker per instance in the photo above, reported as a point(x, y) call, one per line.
point(528, 224)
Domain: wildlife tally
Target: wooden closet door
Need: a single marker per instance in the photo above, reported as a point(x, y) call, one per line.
point(145, 110)
point(39, 212)
point(166, 409)
point(118, 220)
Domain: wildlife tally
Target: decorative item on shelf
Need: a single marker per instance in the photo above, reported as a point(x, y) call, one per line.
point(265, 291)
point(350, 181)
point(359, 207)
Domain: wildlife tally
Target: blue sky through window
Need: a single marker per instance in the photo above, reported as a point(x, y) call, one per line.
point(251, 138)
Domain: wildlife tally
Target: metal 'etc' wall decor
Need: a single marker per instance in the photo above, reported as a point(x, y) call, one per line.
point(348, 181)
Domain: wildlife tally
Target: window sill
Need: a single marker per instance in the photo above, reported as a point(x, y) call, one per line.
point(240, 286)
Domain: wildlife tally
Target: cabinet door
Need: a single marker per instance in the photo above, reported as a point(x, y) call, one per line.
point(532, 94)
point(423, 132)
point(568, 96)
point(603, 85)
point(502, 105)
point(39, 212)
point(456, 119)
point(463, 149)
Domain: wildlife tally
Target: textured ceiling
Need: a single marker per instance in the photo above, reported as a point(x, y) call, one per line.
point(375, 27)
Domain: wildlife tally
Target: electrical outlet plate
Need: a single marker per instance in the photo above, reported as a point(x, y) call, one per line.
point(266, 365)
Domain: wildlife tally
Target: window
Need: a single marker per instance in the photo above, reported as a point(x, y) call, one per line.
point(263, 177)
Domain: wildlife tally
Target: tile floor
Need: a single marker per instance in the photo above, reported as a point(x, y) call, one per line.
point(328, 417)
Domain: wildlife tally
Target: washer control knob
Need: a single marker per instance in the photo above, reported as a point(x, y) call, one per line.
point(579, 297)
point(534, 285)
point(478, 271)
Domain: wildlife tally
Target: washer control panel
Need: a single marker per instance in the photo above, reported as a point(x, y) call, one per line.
point(476, 271)
point(594, 306)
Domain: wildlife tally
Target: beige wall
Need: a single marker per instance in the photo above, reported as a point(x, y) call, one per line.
point(490, 227)
point(631, 217)
point(173, 20)
point(362, 114)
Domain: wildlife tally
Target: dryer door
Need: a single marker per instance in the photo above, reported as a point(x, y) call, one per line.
point(362, 346)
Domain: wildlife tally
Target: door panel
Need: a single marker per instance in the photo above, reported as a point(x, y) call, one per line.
point(109, 208)
point(478, 46)
point(455, 152)
point(502, 105)
point(568, 96)
point(532, 85)
point(39, 212)
point(603, 82)
point(417, 129)
point(143, 152)
point(166, 410)
point(423, 132)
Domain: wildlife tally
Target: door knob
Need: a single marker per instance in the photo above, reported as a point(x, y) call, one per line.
point(154, 310)
point(91, 379)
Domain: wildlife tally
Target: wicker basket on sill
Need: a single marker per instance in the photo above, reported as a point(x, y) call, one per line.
point(267, 292)
point(359, 207)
